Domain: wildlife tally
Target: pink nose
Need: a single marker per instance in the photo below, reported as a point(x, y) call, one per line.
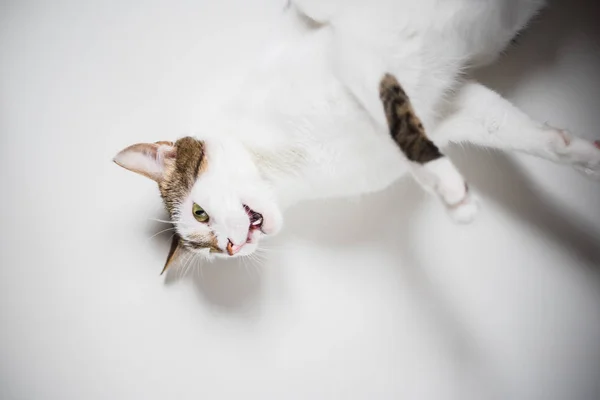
point(233, 248)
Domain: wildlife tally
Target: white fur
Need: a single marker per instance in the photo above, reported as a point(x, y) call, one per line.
point(230, 180)
point(308, 122)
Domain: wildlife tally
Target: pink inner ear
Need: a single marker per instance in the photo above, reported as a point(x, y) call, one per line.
point(597, 143)
point(146, 159)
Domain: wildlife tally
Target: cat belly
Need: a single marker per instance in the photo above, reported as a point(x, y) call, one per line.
point(372, 175)
point(344, 153)
point(353, 160)
point(347, 178)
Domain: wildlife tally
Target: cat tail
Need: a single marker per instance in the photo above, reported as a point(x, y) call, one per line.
point(405, 126)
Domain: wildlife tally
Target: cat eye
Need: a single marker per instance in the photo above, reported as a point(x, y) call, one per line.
point(199, 213)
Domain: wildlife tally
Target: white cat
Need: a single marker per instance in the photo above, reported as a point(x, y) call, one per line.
point(308, 122)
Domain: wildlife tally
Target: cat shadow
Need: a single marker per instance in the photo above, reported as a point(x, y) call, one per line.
point(539, 44)
point(383, 222)
point(500, 180)
point(233, 286)
point(495, 174)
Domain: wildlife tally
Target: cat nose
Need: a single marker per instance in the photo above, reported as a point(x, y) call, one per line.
point(233, 248)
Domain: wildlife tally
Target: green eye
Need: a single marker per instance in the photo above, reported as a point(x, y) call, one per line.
point(199, 213)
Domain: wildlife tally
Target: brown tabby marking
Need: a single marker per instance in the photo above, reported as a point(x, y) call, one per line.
point(178, 243)
point(180, 165)
point(202, 242)
point(405, 127)
point(180, 176)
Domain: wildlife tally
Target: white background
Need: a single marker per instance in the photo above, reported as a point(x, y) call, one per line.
point(415, 308)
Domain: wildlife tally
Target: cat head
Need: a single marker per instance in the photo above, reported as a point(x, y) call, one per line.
point(213, 191)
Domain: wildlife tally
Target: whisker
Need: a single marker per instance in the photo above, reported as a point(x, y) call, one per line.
point(256, 264)
point(259, 256)
point(190, 264)
point(158, 233)
point(198, 268)
point(252, 257)
point(272, 248)
point(265, 253)
point(245, 260)
point(179, 267)
point(193, 263)
point(161, 220)
point(195, 272)
point(164, 221)
point(182, 268)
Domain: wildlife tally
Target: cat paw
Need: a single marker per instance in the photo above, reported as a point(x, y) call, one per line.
point(581, 154)
point(443, 178)
point(466, 210)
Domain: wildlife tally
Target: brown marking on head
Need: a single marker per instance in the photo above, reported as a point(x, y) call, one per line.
point(203, 241)
point(180, 178)
point(194, 242)
point(175, 167)
point(405, 127)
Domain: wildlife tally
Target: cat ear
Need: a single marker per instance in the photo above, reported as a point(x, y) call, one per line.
point(146, 159)
point(174, 252)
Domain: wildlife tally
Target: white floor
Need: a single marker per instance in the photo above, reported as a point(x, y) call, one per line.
point(507, 308)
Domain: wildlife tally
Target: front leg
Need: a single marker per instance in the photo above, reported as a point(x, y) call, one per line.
point(481, 116)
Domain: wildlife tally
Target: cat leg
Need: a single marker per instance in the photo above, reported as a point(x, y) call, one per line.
point(362, 72)
point(481, 116)
point(432, 169)
point(441, 178)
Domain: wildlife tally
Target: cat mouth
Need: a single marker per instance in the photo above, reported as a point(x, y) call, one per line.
point(256, 222)
point(256, 219)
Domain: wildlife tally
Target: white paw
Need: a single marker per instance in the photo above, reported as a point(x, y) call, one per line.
point(445, 179)
point(465, 211)
point(442, 178)
point(581, 154)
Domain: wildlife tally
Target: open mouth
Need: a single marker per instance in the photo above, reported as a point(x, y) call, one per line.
point(256, 219)
point(256, 222)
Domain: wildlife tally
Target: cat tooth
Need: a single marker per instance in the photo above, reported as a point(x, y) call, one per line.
point(257, 222)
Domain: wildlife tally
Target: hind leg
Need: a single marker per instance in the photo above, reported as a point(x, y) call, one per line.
point(481, 116)
point(361, 71)
point(441, 178)
point(432, 169)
